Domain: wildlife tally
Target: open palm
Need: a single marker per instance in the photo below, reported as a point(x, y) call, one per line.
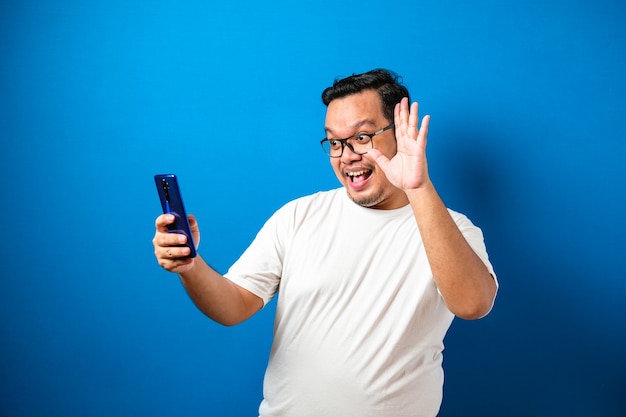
point(407, 169)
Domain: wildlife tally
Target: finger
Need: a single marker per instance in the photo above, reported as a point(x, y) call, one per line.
point(400, 115)
point(404, 112)
point(174, 252)
point(173, 258)
point(163, 220)
point(175, 265)
point(423, 132)
point(413, 120)
point(396, 115)
point(165, 239)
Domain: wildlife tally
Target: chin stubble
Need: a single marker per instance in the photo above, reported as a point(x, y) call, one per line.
point(369, 201)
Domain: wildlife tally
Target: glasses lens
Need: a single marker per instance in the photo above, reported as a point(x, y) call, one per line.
point(358, 144)
point(332, 147)
point(361, 143)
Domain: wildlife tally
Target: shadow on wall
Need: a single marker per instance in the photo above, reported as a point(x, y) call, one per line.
point(549, 346)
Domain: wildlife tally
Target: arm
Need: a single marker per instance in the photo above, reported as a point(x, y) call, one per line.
point(462, 278)
point(216, 296)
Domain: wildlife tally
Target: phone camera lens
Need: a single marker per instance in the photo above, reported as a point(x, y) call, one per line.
point(166, 188)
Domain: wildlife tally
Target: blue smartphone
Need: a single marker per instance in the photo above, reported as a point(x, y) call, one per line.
point(172, 203)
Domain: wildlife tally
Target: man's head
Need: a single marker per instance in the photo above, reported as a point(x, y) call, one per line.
point(386, 83)
point(364, 104)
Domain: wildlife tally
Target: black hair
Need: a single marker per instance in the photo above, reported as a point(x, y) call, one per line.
point(387, 83)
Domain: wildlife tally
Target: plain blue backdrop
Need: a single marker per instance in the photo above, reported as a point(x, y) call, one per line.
point(528, 138)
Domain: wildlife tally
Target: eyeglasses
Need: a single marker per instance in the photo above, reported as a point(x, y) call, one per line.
point(359, 144)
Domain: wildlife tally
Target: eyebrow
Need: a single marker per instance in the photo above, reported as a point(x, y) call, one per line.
point(354, 126)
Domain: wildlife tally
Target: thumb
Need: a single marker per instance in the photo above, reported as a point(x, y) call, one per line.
point(381, 160)
point(195, 230)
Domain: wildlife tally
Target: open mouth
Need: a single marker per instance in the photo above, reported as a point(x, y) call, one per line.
point(359, 177)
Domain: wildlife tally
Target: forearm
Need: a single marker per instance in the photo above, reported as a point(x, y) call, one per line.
point(217, 297)
point(461, 276)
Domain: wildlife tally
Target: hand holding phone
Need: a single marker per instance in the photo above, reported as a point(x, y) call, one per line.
point(172, 203)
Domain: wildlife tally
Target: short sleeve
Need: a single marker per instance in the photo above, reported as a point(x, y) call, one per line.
point(259, 268)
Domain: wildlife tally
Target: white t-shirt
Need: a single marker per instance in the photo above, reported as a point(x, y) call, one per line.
point(359, 322)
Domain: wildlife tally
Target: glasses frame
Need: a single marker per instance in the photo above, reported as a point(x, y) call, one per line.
point(344, 142)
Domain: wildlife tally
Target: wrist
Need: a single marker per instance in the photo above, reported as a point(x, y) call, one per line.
point(426, 187)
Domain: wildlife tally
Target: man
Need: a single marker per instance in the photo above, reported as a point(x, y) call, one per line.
point(370, 274)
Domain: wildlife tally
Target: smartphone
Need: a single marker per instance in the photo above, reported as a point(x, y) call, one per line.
point(172, 203)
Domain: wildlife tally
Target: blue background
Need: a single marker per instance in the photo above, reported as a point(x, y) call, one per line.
point(528, 138)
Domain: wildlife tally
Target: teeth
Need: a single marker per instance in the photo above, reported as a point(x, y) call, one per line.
point(356, 173)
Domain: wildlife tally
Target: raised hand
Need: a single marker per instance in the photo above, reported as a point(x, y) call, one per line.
point(167, 246)
point(408, 168)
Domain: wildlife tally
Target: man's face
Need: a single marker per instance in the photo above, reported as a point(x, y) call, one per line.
point(364, 181)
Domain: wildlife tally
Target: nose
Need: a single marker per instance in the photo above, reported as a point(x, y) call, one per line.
point(348, 154)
